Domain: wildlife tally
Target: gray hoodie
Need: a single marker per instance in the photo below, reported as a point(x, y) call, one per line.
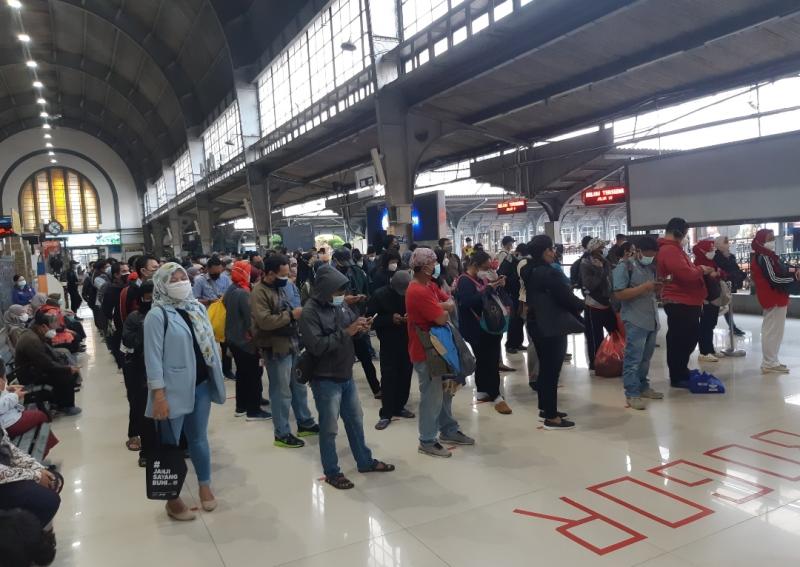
point(322, 328)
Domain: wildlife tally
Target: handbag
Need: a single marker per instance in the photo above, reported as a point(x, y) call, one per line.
point(304, 369)
point(548, 319)
point(166, 469)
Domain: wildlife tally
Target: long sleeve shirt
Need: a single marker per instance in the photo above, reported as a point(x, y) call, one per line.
point(10, 409)
point(207, 289)
point(21, 467)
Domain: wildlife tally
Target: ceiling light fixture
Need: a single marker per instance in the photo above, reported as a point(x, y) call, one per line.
point(53, 160)
point(40, 100)
point(31, 64)
point(51, 153)
point(47, 136)
point(43, 114)
point(46, 126)
point(48, 145)
point(24, 38)
point(38, 85)
point(14, 4)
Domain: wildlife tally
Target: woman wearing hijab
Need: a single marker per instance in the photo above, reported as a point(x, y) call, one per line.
point(772, 279)
point(184, 375)
point(15, 321)
point(240, 340)
point(704, 256)
point(735, 276)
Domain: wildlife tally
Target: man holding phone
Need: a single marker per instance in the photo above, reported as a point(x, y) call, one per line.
point(683, 296)
point(636, 288)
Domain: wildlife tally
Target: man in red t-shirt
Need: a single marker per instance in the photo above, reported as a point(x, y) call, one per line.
point(427, 305)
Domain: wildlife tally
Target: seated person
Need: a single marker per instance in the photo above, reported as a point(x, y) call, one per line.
point(15, 321)
point(64, 338)
point(14, 418)
point(22, 292)
point(25, 543)
point(26, 484)
point(38, 364)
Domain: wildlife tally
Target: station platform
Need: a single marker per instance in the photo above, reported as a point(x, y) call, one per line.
point(695, 480)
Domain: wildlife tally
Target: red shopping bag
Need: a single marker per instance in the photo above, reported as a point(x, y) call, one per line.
point(608, 360)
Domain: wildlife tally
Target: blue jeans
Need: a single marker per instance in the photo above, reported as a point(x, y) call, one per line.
point(195, 425)
point(435, 407)
point(285, 392)
point(639, 346)
point(334, 399)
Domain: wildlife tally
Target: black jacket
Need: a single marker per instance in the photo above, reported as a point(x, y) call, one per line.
point(384, 303)
point(730, 266)
point(549, 300)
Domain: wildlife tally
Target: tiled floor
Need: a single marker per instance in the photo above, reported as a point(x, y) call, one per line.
point(481, 506)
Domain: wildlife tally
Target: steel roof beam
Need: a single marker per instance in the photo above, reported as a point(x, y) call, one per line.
point(154, 48)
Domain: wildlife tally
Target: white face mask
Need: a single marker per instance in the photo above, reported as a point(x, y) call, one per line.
point(24, 317)
point(50, 334)
point(393, 267)
point(770, 245)
point(21, 283)
point(179, 290)
point(710, 255)
point(445, 262)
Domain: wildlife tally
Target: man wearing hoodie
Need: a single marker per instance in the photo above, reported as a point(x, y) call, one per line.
point(327, 325)
point(683, 294)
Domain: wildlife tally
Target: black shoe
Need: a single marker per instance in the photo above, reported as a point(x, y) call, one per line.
point(378, 395)
point(738, 332)
point(229, 375)
point(533, 386)
point(505, 368)
point(563, 424)
point(264, 402)
point(404, 413)
point(142, 462)
point(560, 414)
point(307, 431)
point(289, 442)
point(682, 384)
point(511, 350)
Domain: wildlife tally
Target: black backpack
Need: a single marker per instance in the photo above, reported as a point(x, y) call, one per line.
point(88, 291)
point(575, 274)
point(509, 269)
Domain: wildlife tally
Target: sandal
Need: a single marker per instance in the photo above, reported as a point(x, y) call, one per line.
point(134, 444)
point(378, 466)
point(340, 482)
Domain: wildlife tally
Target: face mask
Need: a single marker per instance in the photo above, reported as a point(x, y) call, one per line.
point(484, 275)
point(646, 260)
point(179, 290)
point(710, 255)
point(213, 276)
point(24, 317)
point(393, 267)
point(50, 334)
point(108, 270)
point(371, 258)
point(203, 261)
point(445, 262)
point(338, 300)
point(281, 281)
point(437, 271)
point(124, 275)
point(770, 245)
point(21, 283)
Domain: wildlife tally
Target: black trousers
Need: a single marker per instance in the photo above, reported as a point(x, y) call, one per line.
point(63, 394)
point(708, 322)
point(396, 371)
point(551, 351)
point(226, 360)
point(248, 379)
point(31, 496)
point(75, 301)
point(362, 347)
point(114, 341)
point(683, 330)
point(487, 354)
point(134, 373)
point(516, 328)
point(596, 321)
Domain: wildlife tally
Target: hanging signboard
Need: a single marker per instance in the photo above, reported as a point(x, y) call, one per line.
point(512, 207)
point(604, 196)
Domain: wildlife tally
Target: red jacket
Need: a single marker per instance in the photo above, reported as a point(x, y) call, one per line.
point(687, 286)
point(768, 282)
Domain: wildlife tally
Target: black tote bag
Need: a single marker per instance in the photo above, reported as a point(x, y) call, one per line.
point(548, 319)
point(166, 469)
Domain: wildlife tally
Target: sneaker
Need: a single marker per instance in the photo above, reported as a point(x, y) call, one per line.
point(636, 403)
point(652, 394)
point(434, 450)
point(378, 395)
point(288, 442)
point(738, 332)
point(563, 424)
point(71, 411)
point(505, 368)
point(778, 369)
point(502, 408)
point(303, 431)
point(383, 424)
point(264, 402)
point(405, 414)
point(457, 438)
point(239, 412)
point(259, 415)
point(560, 414)
point(707, 358)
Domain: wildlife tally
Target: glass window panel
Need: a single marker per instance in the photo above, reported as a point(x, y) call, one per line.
point(75, 202)
point(43, 197)
point(161, 191)
point(419, 14)
point(299, 75)
point(348, 27)
point(60, 198)
point(321, 57)
point(222, 141)
point(183, 172)
point(28, 207)
point(266, 102)
point(90, 199)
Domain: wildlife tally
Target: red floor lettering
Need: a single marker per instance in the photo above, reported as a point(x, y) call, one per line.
point(569, 524)
point(713, 453)
point(761, 437)
point(762, 490)
point(702, 511)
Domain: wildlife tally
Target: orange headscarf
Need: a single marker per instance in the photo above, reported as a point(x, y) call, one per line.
point(240, 274)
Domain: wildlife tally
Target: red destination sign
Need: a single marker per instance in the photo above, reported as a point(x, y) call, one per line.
point(512, 207)
point(604, 196)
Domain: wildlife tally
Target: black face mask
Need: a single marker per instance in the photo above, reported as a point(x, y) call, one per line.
point(259, 265)
point(213, 276)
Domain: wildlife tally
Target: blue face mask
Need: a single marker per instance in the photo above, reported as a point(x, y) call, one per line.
point(437, 271)
point(646, 260)
point(338, 300)
point(281, 282)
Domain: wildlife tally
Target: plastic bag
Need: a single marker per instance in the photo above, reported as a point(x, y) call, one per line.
point(217, 313)
point(608, 360)
point(704, 383)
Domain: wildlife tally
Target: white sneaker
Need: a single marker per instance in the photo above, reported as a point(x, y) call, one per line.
point(779, 369)
point(707, 358)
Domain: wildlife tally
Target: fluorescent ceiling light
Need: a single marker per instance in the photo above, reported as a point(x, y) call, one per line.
point(14, 4)
point(40, 100)
point(46, 126)
point(48, 145)
point(51, 153)
point(43, 114)
point(47, 136)
point(38, 84)
point(31, 64)
point(53, 161)
point(24, 38)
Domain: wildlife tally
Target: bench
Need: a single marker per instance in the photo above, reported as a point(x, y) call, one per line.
point(34, 442)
